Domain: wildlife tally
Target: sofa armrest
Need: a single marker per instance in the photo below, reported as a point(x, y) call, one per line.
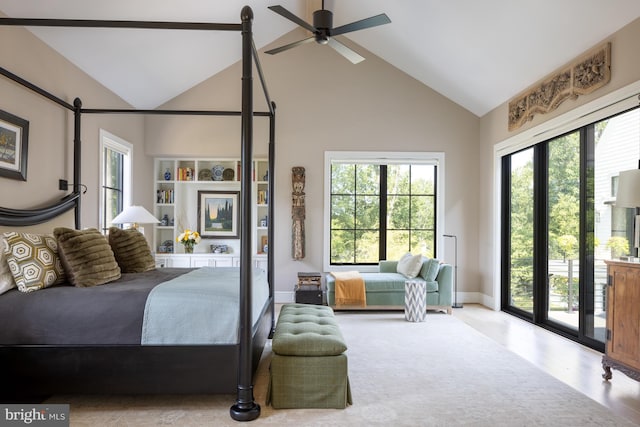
point(445, 284)
point(387, 266)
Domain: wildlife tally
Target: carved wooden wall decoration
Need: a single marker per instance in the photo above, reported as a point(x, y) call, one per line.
point(297, 213)
point(586, 75)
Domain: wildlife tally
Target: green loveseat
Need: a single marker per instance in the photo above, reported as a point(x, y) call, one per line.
point(385, 289)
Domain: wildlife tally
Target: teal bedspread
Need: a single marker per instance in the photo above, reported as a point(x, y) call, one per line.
point(200, 307)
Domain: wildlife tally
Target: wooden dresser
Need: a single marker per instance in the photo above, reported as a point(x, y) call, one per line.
point(623, 319)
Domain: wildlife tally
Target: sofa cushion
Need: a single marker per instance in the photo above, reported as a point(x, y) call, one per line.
point(409, 265)
point(430, 269)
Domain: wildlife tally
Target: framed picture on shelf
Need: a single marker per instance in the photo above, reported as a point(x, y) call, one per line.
point(264, 247)
point(219, 214)
point(14, 139)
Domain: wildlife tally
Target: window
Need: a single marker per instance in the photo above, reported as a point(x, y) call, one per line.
point(115, 177)
point(380, 206)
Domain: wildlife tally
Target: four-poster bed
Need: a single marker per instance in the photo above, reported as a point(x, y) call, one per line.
point(221, 368)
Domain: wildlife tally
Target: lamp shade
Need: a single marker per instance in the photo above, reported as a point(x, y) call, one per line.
point(135, 215)
point(628, 195)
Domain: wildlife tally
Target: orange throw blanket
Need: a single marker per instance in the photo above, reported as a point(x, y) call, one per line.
point(349, 288)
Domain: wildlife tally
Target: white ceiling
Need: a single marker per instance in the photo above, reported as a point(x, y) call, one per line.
point(477, 53)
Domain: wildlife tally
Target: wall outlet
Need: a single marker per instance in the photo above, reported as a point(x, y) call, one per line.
point(63, 185)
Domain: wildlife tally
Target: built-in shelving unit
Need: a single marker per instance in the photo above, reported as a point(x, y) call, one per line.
point(177, 182)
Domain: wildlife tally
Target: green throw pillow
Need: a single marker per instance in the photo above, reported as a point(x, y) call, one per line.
point(131, 250)
point(86, 256)
point(430, 269)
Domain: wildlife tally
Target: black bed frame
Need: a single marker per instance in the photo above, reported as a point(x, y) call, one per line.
point(46, 369)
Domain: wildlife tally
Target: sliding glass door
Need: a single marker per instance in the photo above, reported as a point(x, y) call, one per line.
point(560, 223)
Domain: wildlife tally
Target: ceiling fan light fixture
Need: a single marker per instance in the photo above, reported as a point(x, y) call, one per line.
point(323, 30)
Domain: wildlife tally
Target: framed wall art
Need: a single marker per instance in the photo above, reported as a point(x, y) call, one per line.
point(219, 214)
point(14, 139)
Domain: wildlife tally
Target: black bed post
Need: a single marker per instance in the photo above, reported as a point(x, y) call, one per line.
point(245, 408)
point(271, 209)
point(77, 158)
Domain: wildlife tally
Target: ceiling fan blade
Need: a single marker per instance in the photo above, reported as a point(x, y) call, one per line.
point(291, 17)
point(345, 51)
point(289, 46)
point(374, 21)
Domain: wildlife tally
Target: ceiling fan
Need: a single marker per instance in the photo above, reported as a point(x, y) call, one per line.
point(323, 30)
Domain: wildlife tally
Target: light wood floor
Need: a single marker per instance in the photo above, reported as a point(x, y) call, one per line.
point(576, 365)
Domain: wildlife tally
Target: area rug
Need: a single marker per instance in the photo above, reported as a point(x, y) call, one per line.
point(440, 372)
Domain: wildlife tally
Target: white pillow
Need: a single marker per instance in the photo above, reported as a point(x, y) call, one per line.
point(409, 265)
point(6, 278)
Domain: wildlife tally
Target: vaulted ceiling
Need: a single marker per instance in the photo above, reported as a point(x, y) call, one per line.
point(479, 54)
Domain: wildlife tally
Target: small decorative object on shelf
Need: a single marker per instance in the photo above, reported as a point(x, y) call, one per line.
point(189, 239)
point(167, 175)
point(165, 220)
point(205, 175)
point(219, 249)
point(264, 222)
point(217, 172)
point(228, 174)
point(266, 176)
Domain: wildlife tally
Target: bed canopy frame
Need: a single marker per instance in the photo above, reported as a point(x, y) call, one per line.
point(245, 408)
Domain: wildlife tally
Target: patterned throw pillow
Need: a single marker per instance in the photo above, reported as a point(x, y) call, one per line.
point(131, 250)
point(409, 265)
point(6, 278)
point(33, 260)
point(87, 257)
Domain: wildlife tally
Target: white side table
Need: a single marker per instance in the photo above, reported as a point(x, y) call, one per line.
point(415, 300)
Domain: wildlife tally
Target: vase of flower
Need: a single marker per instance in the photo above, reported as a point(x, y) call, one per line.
point(189, 240)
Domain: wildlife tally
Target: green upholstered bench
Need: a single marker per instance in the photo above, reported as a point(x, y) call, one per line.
point(308, 367)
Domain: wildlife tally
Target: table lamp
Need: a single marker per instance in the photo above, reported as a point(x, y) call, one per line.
point(135, 215)
point(628, 196)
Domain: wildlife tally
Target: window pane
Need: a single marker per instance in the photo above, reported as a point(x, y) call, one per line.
point(342, 247)
point(368, 179)
point(367, 245)
point(422, 212)
point(343, 178)
point(398, 212)
point(368, 212)
point(398, 179)
point(342, 212)
point(113, 204)
point(397, 244)
point(422, 243)
point(422, 179)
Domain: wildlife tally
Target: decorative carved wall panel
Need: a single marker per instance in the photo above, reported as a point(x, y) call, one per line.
point(590, 72)
point(298, 213)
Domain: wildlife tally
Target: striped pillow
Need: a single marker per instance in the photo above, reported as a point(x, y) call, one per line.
point(131, 250)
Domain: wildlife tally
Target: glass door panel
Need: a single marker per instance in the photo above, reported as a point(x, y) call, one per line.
point(616, 149)
point(521, 231)
point(563, 230)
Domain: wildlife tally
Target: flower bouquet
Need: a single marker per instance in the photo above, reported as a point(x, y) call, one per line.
point(189, 239)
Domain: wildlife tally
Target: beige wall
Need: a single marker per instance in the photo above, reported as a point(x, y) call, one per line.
point(50, 155)
point(625, 70)
point(325, 103)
